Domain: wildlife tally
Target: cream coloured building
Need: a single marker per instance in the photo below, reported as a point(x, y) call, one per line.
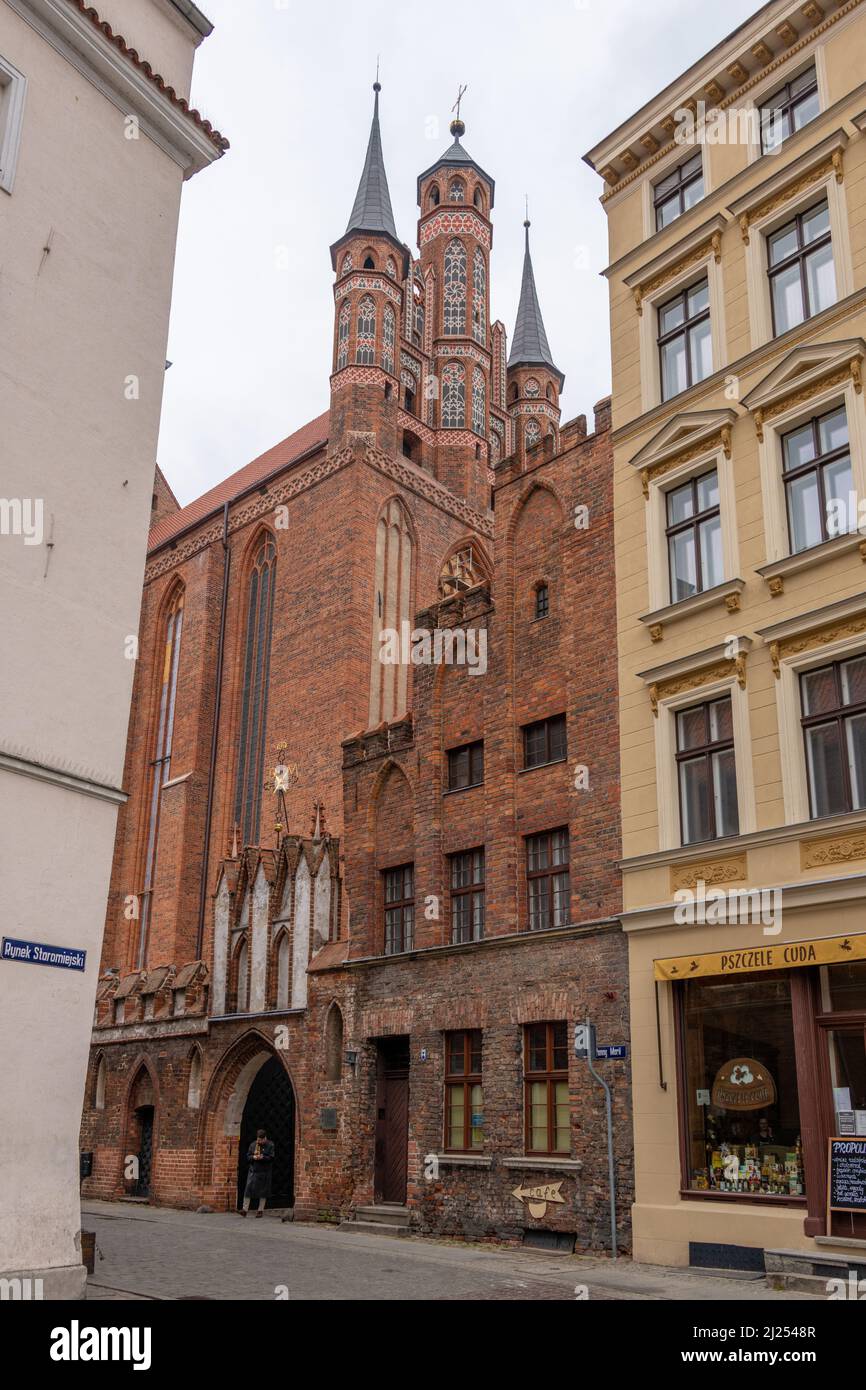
point(96, 139)
point(736, 202)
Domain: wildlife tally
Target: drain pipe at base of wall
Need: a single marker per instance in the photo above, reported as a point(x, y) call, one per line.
point(215, 734)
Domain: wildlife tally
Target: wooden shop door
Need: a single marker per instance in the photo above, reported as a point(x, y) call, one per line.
point(392, 1122)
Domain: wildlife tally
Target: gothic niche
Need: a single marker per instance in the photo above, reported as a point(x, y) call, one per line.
point(463, 570)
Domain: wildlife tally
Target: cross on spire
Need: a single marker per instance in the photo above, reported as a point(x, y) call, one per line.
point(461, 92)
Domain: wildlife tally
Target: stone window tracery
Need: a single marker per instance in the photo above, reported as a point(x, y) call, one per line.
point(453, 397)
point(389, 333)
point(343, 336)
point(455, 288)
point(365, 345)
point(479, 298)
point(479, 401)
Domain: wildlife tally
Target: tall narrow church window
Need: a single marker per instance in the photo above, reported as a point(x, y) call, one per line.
point(479, 298)
point(365, 346)
point(344, 323)
point(391, 267)
point(193, 1094)
point(392, 606)
point(389, 333)
point(160, 760)
point(257, 657)
point(479, 401)
point(434, 196)
point(453, 397)
point(455, 287)
point(242, 984)
point(478, 199)
point(347, 263)
point(283, 971)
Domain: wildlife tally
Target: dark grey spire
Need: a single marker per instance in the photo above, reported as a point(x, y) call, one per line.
point(372, 211)
point(529, 346)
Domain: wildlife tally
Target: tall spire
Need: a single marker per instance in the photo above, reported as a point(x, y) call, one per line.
point(529, 347)
point(372, 210)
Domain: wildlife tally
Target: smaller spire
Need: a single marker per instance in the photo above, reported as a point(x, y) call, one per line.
point(372, 210)
point(530, 347)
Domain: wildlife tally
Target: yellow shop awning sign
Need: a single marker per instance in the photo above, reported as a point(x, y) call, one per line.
point(776, 955)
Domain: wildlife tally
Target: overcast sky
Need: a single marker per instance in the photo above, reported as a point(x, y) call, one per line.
point(290, 83)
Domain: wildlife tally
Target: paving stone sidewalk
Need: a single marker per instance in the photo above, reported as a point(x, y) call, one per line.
point(158, 1253)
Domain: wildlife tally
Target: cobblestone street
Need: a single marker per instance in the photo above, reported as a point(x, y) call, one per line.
point(157, 1253)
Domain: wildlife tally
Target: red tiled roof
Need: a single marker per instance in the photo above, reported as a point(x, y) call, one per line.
point(144, 66)
point(303, 441)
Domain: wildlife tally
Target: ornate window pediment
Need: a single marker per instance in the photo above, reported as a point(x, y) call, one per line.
point(803, 372)
point(686, 435)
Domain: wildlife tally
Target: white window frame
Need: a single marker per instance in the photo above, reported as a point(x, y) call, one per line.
point(13, 85)
point(670, 829)
point(792, 753)
point(770, 456)
point(706, 269)
point(656, 522)
point(761, 94)
point(680, 155)
point(757, 252)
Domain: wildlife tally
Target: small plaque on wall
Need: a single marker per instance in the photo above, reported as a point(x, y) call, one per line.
point(328, 1118)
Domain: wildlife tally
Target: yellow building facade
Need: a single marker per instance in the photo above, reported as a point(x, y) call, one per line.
point(736, 203)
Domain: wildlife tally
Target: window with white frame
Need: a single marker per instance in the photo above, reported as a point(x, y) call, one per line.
point(678, 191)
point(706, 771)
point(694, 536)
point(800, 268)
point(12, 88)
point(685, 339)
point(816, 468)
point(790, 107)
point(833, 705)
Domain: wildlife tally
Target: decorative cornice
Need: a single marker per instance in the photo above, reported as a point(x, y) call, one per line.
point(784, 648)
point(769, 64)
point(73, 780)
point(851, 372)
point(833, 162)
point(712, 246)
point(708, 445)
point(693, 680)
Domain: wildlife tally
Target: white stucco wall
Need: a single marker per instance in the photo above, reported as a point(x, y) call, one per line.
point(78, 320)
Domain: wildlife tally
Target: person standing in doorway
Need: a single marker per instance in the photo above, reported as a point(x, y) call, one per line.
point(260, 1155)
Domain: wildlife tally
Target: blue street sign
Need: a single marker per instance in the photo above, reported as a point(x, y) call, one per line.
point(612, 1050)
point(38, 953)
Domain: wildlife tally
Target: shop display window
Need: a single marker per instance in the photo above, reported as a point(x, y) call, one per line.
point(742, 1108)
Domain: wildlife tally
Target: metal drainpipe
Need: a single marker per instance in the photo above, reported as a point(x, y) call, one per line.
point(215, 734)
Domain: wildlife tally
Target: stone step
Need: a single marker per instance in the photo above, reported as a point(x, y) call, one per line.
point(384, 1213)
point(785, 1282)
point(373, 1228)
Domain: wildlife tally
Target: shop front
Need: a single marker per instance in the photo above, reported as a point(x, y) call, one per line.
point(753, 1059)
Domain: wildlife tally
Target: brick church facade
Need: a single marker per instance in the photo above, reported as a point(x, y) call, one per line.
point(366, 879)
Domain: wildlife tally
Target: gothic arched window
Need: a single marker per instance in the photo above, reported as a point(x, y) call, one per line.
point(533, 433)
point(343, 326)
point(457, 191)
point(478, 199)
point(347, 263)
point(479, 401)
point(365, 343)
point(389, 332)
point(99, 1085)
point(193, 1094)
point(453, 397)
point(334, 1044)
point(531, 388)
point(434, 196)
point(241, 972)
point(391, 267)
point(479, 297)
point(284, 962)
point(167, 659)
point(254, 707)
point(495, 448)
point(392, 606)
point(455, 287)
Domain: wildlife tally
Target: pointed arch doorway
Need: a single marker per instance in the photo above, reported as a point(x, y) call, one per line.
point(270, 1105)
